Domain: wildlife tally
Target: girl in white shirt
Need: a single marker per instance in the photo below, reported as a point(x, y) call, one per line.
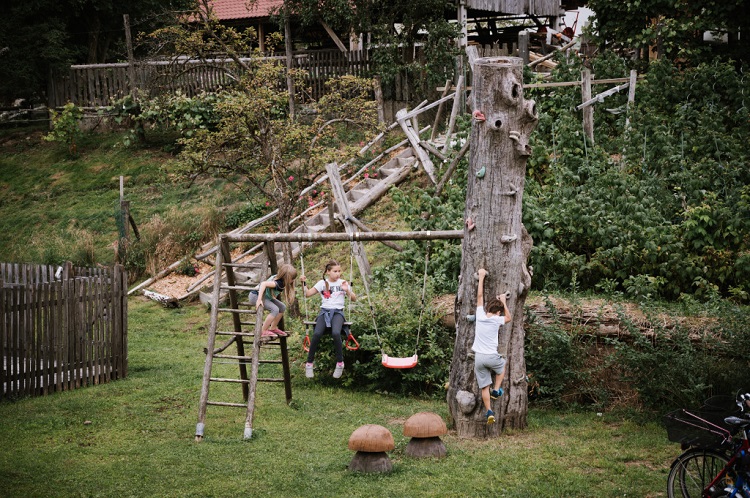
point(333, 292)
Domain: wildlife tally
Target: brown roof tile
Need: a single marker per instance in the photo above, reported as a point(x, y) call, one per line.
point(237, 9)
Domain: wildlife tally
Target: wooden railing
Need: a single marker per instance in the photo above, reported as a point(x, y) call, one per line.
point(61, 328)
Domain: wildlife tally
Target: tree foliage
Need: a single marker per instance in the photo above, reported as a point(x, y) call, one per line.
point(37, 36)
point(655, 211)
point(674, 27)
point(393, 29)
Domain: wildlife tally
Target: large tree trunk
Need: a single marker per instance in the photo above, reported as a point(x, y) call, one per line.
point(494, 239)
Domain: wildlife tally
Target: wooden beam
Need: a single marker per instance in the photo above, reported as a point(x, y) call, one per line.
point(431, 148)
point(552, 54)
point(454, 113)
point(365, 228)
point(343, 237)
point(339, 194)
point(439, 113)
point(334, 37)
point(452, 168)
point(414, 139)
point(601, 96)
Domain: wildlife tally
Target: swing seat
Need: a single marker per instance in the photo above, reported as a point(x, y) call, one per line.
point(350, 344)
point(391, 362)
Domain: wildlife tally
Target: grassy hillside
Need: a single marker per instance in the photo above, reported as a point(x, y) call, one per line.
point(54, 208)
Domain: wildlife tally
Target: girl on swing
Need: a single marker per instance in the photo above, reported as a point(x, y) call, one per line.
point(271, 290)
point(333, 292)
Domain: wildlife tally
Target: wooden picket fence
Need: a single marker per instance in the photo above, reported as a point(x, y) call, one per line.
point(98, 85)
point(61, 328)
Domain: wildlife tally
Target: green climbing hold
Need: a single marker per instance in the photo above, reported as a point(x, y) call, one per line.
point(481, 172)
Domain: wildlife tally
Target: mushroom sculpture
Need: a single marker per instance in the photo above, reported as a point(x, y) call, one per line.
point(371, 442)
point(425, 429)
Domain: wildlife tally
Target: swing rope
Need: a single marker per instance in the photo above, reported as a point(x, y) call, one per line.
point(409, 362)
point(424, 292)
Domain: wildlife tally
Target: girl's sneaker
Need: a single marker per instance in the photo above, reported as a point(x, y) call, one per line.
point(309, 370)
point(494, 394)
point(490, 417)
point(338, 370)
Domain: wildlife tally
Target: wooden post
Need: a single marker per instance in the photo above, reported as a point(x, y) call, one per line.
point(631, 97)
point(378, 88)
point(289, 48)
point(523, 46)
point(413, 137)
point(457, 100)
point(496, 241)
point(340, 195)
point(588, 112)
point(131, 59)
point(439, 113)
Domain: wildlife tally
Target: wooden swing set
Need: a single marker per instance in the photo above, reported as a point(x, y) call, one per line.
point(248, 332)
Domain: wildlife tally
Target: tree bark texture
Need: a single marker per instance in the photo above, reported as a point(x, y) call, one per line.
point(494, 239)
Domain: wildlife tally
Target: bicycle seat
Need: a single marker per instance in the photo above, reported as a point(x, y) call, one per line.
point(737, 422)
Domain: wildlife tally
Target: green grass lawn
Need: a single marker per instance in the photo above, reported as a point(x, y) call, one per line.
point(135, 437)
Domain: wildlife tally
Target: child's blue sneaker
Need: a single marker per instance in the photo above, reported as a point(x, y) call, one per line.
point(494, 394)
point(490, 417)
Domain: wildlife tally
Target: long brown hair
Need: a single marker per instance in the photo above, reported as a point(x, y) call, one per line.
point(331, 263)
point(288, 274)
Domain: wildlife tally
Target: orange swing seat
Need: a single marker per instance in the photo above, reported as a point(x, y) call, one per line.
point(392, 362)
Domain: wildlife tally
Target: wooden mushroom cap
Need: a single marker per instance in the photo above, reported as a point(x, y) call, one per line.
point(371, 438)
point(425, 424)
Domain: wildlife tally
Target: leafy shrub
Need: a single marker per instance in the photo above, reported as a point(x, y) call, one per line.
point(551, 361)
point(246, 213)
point(171, 237)
point(66, 127)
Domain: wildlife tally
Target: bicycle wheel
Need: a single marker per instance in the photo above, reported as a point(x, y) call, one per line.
point(692, 471)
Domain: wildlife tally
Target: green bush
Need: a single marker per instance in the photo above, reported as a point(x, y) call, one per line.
point(66, 127)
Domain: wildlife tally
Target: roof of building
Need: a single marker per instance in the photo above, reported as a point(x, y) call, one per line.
point(238, 9)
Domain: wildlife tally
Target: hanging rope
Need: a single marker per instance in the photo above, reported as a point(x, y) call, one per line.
point(424, 292)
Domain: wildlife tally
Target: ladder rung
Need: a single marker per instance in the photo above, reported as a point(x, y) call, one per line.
point(228, 332)
point(232, 357)
point(270, 380)
point(234, 310)
point(236, 287)
point(239, 381)
point(243, 265)
point(271, 362)
point(221, 403)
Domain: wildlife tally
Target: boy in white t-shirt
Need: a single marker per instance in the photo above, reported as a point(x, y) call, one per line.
point(486, 358)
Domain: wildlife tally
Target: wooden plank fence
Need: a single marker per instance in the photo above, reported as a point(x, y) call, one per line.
point(61, 328)
point(97, 85)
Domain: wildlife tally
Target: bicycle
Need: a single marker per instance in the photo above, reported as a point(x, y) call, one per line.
point(716, 458)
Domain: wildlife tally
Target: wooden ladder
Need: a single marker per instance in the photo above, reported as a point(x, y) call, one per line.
point(244, 331)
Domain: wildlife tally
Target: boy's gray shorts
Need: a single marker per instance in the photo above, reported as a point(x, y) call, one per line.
point(484, 365)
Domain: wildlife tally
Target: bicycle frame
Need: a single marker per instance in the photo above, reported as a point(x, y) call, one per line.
point(740, 483)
